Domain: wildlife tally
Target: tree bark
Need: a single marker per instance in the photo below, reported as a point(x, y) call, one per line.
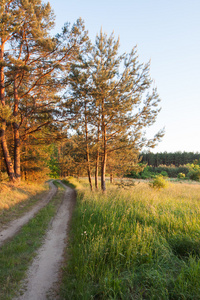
point(97, 170)
point(111, 177)
point(6, 154)
point(97, 162)
point(87, 152)
point(104, 160)
point(17, 158)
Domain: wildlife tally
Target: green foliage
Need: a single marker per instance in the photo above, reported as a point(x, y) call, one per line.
point(140, 171)
point(54, 168)
point(146, 174)
point(194, 173)
point(172, 171)
point(164, 174)
point(181, 175)
point(159, 182)
point(5, 113)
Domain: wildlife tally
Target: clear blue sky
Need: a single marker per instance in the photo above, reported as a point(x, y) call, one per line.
point(168, 33)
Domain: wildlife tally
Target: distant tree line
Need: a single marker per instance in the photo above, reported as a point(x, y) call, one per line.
point(169, 158)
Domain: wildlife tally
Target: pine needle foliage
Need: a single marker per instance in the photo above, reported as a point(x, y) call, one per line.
point(114, 97)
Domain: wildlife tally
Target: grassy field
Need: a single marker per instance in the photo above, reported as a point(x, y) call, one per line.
point(135, 243)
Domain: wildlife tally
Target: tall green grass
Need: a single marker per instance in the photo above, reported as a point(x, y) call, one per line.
point(139, 243)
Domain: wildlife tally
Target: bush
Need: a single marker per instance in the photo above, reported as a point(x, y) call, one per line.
point(172, 171)
point(164, 174)
point(146, 174)
point(159, 182)
point(181, 175)
point(167, 171)
point(194, 175)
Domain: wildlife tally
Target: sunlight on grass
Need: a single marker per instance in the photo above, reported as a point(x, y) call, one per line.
point(138, 243)
point(13, 194)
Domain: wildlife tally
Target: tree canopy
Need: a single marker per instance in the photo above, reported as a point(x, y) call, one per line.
point(114, 99)
point(108, 98)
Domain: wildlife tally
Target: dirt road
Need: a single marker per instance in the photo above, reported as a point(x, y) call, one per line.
point(13, 227)
point(43, 274)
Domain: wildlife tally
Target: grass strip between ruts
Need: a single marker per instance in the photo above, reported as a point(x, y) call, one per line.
point(17, 254)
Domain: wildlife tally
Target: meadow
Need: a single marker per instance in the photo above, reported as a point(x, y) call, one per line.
point(135, 243)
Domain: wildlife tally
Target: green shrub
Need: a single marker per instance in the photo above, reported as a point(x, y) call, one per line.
point(164, 174)
point(194, 175)
point(181, 175)
point(146, 174)
point(159, 182)
point(172, 170)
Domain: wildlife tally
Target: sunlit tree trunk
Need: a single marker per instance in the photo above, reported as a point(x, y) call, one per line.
point(104, 155)
point(17, 161)
point(87, 152)
point(4, 145)
point(97, 162)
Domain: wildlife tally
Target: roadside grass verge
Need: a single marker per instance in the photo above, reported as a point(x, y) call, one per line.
point(73, 182)
point(15, 200)
point(138, 243)
point(17, 254)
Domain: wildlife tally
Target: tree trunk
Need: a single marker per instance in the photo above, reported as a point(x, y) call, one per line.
point(17, 158)
point(104, 161)
point(111, 177)
point(103, 172)
point(6, 154)
point(87, 152)
point(97, 162)
point(88, 167)
point(97, 170)
point(0, 166)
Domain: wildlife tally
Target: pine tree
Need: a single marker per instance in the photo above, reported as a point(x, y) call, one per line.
point(124, 97)
point(31, 70)
point(119, 99)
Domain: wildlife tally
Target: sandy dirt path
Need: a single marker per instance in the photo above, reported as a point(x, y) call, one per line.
point(13, 227)
point(43, 275)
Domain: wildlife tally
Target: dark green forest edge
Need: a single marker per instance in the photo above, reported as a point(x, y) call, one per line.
point(181, 165)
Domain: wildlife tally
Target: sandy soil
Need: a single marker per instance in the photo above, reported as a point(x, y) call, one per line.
point(13, 227)
point(43, 275)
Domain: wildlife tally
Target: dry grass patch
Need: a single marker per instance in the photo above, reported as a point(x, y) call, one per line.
point(16, 199)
